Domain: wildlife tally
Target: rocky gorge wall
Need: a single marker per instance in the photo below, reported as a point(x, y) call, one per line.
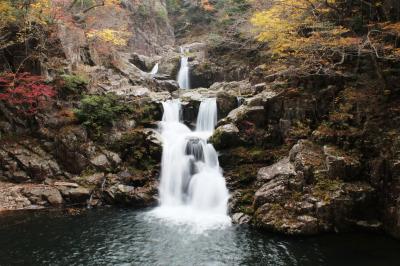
point(52, 159)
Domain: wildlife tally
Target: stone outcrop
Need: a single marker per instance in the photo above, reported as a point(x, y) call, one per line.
point(132, 196)
point(299, 195)
point(26, 161)
point(225, 136)
point(76, 152)
point(43, 195)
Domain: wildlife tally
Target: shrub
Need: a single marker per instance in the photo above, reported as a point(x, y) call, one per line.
point(99, 111)
point(74, 84)
point(25, 92)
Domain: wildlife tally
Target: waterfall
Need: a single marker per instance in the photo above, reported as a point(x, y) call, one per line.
point(183, 74)
point(207, 117)
point(240, 100)
point(154, 71)
point(192, 188)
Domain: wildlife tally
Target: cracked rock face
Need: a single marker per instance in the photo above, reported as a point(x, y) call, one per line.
point(298, 195)
point(26, 161)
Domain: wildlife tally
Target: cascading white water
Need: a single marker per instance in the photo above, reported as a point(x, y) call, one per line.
point(154, 71)
point(207, 117)
point(183, 74)
point(239, 100)
point(192, 188)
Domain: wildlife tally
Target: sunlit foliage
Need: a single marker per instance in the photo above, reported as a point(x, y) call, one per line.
point(118, 38)
point(295, 26)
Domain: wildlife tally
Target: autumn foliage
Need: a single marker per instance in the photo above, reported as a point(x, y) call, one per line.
point(322, 34)
point(25, 92)
point(206, 5)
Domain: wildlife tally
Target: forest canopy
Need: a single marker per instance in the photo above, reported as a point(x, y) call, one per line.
point(323, 33)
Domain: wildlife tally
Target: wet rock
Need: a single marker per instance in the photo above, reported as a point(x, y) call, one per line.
point(372, 226)
point(274, 218)
point(204, 73)
point(131, 196)
point(76, 152)
point(196, 95)
point(153, 136)
point(241, 218)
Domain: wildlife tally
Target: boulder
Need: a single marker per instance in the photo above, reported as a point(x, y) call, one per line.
point(43, 195)
point(135, 91)
point(246, 114)
point(76, 195)
point(169, 64)
point(225, 136)
point(93, 180)
point(166, 85)
point(261, 98)
point(241, 218)
point(100, 161)
point(143, 62)
point(273, 217)
point(226, 103)
point(11, 198)
point(131, 196)
point(153, 137)
point(204, 73)
point(275, 191)
point(284, 168)
point(236, 88)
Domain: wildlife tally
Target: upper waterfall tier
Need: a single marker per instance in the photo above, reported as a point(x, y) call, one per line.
point(183, 74)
